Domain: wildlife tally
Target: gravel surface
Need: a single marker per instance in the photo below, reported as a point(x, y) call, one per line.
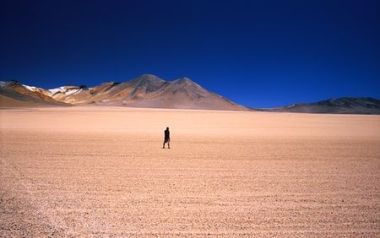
point(101, 172)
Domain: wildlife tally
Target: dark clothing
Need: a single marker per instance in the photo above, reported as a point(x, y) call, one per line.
point(167, 135)
point(167, 138)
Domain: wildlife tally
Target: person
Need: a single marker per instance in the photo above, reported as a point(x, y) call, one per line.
point(166, 138)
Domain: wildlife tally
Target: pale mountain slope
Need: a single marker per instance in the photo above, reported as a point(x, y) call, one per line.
point(15, 94)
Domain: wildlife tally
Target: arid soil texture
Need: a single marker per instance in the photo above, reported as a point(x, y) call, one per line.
point(102, 172)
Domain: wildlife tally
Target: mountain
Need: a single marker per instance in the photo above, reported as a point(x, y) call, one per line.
point(343, 105)
point(15, 94)
point(146, 90)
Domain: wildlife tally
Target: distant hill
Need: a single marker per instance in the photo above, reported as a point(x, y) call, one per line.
point(343, 105)
point(146, 90)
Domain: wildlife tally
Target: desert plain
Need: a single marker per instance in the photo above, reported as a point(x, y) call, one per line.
point(102, 172)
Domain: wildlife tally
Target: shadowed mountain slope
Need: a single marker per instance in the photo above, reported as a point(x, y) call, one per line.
point(344, 105)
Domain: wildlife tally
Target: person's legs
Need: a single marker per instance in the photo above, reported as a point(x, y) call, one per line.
point(166, 141)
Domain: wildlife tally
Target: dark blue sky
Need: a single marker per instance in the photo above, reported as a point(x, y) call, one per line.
point(257, 53)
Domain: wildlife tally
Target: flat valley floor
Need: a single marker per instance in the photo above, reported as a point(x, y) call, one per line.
point(102, 172)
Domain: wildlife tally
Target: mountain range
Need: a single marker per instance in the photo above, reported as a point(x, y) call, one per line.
point(144, 91)
point(150, 91)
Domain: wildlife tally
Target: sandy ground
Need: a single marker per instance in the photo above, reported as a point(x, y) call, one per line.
point(101, 172)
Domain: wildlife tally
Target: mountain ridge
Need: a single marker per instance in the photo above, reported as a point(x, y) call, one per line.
point(341, 105)
point(147, 90)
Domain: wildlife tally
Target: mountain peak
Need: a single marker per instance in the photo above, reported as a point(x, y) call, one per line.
point(185, 81)
point(144, 84)
point(148, 77)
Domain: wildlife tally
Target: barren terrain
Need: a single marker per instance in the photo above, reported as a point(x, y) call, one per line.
point(101, 172)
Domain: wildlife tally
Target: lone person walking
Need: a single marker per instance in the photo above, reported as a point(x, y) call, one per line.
point(167, 138)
